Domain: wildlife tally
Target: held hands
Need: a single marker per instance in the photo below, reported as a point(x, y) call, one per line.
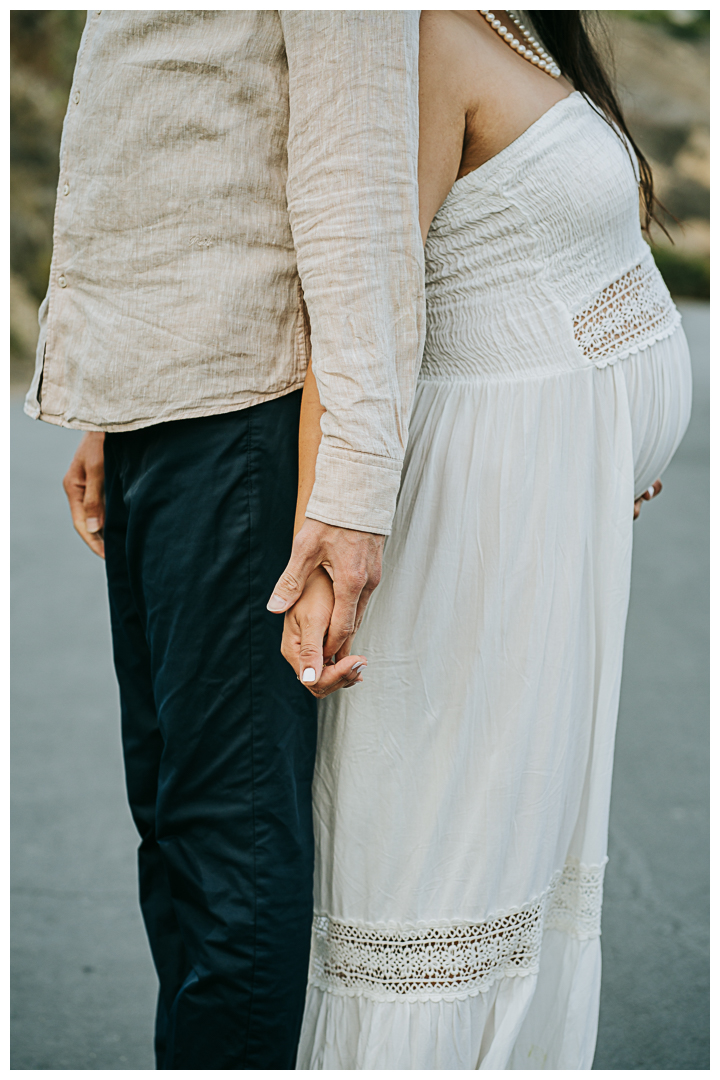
point(324, 590)
point(335, 602)
point(304, 645)
point(84, 485)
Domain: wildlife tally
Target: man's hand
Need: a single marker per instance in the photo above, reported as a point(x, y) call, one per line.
point(354, 562)
point(84, 485)
point(304, 646)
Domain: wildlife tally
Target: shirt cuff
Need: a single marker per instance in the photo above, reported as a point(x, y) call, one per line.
point(354, 490)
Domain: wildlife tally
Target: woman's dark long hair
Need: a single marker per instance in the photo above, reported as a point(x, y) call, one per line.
point(566, 36)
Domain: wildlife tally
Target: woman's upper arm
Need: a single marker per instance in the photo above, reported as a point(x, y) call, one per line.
point(442, 110)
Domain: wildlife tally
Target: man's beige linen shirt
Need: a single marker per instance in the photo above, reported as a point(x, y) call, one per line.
point(215, 166)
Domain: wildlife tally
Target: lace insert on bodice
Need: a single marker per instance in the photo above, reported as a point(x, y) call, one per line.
point(630, 314)
point(450, 961)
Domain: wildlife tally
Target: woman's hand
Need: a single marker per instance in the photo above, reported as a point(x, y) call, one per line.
point(646, 496)
point(304, 634)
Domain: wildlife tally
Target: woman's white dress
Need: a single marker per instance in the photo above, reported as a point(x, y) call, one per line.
point(462, 791)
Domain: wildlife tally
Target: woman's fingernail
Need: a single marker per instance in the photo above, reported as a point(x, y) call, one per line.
point(361, 668)
point(276, 603)
point(93, 525)
point(651, 491)
point(358, 664)
point(308, 674)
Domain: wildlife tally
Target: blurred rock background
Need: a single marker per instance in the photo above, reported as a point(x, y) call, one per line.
point(43, 47)
point(662, 61)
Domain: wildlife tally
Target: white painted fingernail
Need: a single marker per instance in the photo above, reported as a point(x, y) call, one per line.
point(308, 674)
point(357, 665)
point(651, 491)
point(276, 603)
point(361, 668)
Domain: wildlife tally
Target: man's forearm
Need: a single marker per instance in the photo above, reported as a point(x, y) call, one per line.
point(352, 198)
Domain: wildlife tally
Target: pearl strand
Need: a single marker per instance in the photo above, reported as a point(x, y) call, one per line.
point(533, 52)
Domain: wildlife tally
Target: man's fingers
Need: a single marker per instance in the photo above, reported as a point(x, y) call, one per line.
point(365, 595)
point(75, 495)
point(342, 624)
point(74, 488)
point(83, 484)
point(93, 540)
point(94, 501)
point(345, 649)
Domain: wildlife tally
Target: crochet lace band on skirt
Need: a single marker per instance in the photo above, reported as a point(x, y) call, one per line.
point(453, 960)
point(630, 314)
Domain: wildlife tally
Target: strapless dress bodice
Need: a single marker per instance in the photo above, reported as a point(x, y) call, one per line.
point(536, 264)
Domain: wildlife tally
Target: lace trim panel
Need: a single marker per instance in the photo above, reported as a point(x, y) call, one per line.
point(631, 314)
point(575, 903)
point(450, 961)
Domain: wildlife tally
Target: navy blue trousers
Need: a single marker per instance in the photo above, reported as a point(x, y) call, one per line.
point(218, 734)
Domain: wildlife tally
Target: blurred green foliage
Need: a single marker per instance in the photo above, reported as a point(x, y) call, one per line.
point(47, 41)
point(683, 274)
point(682, 24)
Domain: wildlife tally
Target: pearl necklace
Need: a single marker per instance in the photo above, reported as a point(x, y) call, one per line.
point(533, 51)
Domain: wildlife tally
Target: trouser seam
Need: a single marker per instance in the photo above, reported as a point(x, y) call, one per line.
point(251, 638)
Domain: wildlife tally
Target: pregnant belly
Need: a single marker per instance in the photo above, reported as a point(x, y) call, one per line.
point(659, 385)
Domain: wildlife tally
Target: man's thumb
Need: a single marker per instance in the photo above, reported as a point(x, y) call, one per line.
point(290, 585)
point(94, 503)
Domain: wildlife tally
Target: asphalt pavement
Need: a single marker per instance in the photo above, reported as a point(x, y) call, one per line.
point(83, 985)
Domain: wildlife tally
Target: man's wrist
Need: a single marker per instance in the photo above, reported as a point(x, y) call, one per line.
point(315, 525)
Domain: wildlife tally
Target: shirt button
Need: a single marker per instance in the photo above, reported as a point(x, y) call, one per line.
point(66, 189)
point(62, 281)
point(76, 97)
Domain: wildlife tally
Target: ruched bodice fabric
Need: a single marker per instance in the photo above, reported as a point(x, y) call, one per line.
point(524, 243)
point(462, 791)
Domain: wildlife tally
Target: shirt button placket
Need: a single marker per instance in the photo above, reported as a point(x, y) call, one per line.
point(62, 280)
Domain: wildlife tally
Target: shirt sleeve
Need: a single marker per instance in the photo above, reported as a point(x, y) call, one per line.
point(353, 203)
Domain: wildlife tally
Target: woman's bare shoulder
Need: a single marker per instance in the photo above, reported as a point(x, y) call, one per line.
point(451, 24)
point(448, 55)
point(450, 35)
point(445, 85)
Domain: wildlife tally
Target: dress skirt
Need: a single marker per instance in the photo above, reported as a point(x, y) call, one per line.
point(462, 791)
